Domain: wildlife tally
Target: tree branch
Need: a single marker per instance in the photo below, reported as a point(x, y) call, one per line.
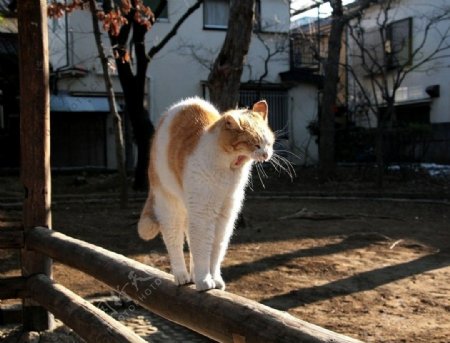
point(155, 49)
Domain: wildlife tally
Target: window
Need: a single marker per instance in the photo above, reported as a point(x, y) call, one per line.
point(215, 14)
point(153, 4)
point(398, 47)
point(303, 52)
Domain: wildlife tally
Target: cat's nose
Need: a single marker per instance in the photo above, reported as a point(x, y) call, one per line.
point(265, 156)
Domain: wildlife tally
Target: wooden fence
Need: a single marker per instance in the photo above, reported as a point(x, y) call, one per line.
point(219, 315)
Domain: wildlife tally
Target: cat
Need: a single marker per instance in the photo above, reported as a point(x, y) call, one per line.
point(200, 163)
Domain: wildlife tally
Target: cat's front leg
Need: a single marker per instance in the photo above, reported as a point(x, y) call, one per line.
point(201, 239)
point(224, 230)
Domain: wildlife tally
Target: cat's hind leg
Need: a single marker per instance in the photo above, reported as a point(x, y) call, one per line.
point(172, 217)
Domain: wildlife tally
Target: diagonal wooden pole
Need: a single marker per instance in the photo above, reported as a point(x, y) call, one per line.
point(35, 144)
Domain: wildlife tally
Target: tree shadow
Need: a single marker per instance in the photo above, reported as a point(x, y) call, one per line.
point(358, 283)
point(232, 273)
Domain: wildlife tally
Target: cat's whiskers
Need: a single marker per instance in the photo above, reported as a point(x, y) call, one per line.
point(261, 166)
point(258, 168)
point(291, 153)
point(250, 181)
point(281, 163)
point(282, 132)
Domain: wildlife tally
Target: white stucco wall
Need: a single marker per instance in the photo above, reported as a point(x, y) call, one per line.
point(302, 110)
point(175, 73)
point(57, 42)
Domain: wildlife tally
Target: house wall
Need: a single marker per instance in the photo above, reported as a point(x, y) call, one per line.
point(59, 57)
point(302, 110)
point(175, 72)
point(180, 69)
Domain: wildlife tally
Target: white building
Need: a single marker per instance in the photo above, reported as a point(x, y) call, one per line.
point(178, 71)
point(423, 97)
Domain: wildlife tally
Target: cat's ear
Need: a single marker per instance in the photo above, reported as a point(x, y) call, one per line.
point(262, 109)
point(232, 121)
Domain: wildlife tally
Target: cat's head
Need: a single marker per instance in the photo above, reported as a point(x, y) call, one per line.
point(246, 135)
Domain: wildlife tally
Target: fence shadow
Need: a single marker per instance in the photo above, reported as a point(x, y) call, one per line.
point(235, 272)
point(359, 282)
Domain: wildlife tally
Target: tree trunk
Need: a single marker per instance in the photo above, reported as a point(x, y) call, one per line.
point(379, 153)
point(120, 147)
point(384, 119)
point(225, 77)
point(326, 120)
point(133, 87)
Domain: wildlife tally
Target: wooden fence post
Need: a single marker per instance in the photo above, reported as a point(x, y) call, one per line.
point(35, 144)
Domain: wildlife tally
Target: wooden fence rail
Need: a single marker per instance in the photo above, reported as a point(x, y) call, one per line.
point(219, 315)
point(85, 319)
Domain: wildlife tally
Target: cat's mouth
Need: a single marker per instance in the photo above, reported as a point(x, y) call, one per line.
point(240, 160)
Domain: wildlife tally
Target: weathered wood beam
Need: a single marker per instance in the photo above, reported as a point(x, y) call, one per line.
point(89, 322)
point(12, 287)
point(11, 239)
point(34, 143)
point(219, 315)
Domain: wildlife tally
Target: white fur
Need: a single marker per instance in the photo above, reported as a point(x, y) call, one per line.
point(204, 209)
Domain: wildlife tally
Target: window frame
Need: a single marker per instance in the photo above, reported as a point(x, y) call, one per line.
point(256, 24)
point(164, 16)
point(394, 58)
point(214, 26)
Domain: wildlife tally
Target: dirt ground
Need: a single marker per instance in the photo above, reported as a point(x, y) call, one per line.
point(365, 263)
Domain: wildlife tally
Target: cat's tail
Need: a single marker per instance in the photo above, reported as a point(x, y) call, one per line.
point(148, 226)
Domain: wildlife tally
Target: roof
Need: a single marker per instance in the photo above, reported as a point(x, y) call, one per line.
point(64, 102)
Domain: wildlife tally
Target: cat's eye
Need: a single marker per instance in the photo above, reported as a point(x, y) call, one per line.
point(257, 146)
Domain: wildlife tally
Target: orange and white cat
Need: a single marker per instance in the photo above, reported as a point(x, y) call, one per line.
point(199, 167)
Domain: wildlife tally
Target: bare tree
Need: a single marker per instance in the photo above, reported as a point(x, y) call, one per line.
point(127, 23)
point(381, 59)
point(274, 47)
point(120, 147)
point(225, 77)
point(133, 82)
point(339, 20)
point(278, 45)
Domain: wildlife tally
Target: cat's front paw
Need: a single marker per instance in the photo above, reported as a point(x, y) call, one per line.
point(182, 278)
point(205, 284)
point(220, 284)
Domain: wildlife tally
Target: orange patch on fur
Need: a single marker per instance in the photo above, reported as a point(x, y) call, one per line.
point(185, 130)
